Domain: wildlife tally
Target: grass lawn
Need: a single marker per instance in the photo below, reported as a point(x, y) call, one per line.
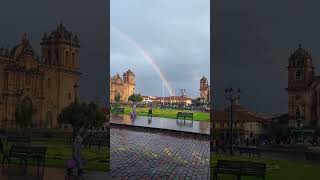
point(276, 169)
point(168, 113)
point(59, 150)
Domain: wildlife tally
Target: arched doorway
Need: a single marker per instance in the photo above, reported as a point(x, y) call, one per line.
point(48, 120)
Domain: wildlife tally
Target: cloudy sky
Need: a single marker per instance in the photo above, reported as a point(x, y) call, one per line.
point(86, 18)
point(252, 43)
point(176, 34)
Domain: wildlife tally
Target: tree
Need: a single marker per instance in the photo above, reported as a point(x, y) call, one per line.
point(117, 97)
point(23, 113)
point(82, 116)
point(134, 98)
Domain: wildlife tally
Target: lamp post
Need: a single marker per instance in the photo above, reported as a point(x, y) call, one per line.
point(75, 87)
point(231, 95)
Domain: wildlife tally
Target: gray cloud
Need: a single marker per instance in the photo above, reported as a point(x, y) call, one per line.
point(86, 18)
point(252, 43)
point(175, 33)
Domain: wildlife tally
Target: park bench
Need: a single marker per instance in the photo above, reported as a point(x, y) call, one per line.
point(240, 168)
point(26, 153)
point(249, 151)
point(18, 140)
point(185, 115)
point(312, 155)
point(118, 110)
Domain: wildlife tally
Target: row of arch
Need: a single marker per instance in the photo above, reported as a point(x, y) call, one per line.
point(68, 59)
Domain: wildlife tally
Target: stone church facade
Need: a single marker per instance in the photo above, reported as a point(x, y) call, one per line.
point(303, 90)
point(122, 86)
point(47, 81)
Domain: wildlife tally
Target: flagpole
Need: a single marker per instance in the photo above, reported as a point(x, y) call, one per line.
point(163, 92)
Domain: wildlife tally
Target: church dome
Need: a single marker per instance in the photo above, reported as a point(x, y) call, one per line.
point(300, 53)
point(23, 48)
point(62, 34)
point(300, 57)
point(203, 79)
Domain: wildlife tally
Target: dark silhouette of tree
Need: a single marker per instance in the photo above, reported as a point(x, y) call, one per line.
point(82, 117)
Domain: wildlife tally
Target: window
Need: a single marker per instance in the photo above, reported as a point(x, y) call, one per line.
point(298, 75)
point(73, 60)
point(56, 57)
point(6, 76)
point(49, 57)
point(67, 58)
point(297, 111)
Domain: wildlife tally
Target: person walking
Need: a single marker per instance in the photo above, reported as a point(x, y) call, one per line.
point(133, 113)
point(76, 154)
point(150, 111)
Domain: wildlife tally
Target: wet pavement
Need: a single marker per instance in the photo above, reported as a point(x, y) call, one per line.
point(31, 173)
point(163, 123)
point(146, 155)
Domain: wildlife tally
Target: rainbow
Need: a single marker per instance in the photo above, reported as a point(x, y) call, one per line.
point(146, 56)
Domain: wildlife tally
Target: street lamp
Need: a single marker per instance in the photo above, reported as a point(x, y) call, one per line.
point(232, 96)
point(75, 86)
point(299, 129)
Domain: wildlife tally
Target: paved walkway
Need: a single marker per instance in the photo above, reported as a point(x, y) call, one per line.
point(146, 155)
point(19, 173)
point(163, 123)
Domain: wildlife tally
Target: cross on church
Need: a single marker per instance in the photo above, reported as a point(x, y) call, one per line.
point(300, 42)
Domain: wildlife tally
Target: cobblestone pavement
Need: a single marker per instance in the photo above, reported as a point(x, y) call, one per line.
point(14, 172)
point(137, 154)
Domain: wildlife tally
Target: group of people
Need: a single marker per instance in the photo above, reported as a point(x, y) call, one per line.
point(252, 141)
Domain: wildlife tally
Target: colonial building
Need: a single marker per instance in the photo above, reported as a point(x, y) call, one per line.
point(174, 100)
point(46, 81)
point(204, 89)
point(123, 87)
point(245, 123)
point(303, 90)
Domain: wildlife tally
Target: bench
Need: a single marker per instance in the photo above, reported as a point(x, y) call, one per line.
point(118, 110)
point(249, 151)
point(240, 168)
point(16, 140)
point(312, 155)
point(185, 115)
point(26, 153)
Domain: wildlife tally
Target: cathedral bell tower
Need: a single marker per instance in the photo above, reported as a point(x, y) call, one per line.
point(61, 49)
point(300, 78)
point(204, 88)
point(60, 62)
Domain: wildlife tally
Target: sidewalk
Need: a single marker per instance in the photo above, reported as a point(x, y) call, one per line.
point(17, 173)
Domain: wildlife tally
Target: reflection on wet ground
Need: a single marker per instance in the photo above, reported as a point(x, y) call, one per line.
point(163, 123)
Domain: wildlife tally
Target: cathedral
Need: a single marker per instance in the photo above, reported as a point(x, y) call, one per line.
point(303, 90)
point(46, 81)
point(204, 89)
point(122, 87)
